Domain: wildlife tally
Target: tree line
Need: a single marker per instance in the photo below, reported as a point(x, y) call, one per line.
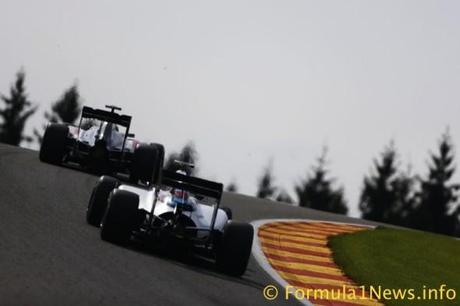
point(389, 194)
point(17, 109)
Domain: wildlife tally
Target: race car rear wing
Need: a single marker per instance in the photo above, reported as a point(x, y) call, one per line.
point(197, 186)
point(193, 184)
point(102, 115)
point(99, 114)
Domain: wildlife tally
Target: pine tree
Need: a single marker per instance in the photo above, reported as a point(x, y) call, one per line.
point(16, 112)
point(187, 154)
point(66, 109)
point(404, 189)
point(284, 197)
point(437, 208)
point(387, 193)
point(317, 191)
point(232, 187)
point(265, 187)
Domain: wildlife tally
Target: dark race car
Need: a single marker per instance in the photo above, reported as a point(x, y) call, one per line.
point(101, 143)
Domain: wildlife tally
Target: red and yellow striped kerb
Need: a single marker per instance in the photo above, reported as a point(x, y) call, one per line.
point(298, 252)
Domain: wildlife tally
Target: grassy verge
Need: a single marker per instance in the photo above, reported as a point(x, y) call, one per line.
point(401, 259)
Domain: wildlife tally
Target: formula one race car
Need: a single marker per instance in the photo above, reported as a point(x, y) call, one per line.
point(101, 143)
point(173, 210)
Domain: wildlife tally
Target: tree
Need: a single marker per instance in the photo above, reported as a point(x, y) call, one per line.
point(437, 209)
point(188, 154)
point(265, 185)
point(232, 187)
point(66, 109)
point(387, 193)
point(283, 196)
point(404, 189)
point(317, 191)
point(15, 113)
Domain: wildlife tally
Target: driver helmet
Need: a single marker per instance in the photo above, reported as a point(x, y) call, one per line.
point(180, 196)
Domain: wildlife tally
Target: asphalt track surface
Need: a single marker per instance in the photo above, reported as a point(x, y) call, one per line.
point(50, 256)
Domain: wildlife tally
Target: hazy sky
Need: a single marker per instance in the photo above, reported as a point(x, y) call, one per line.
point(248, 81)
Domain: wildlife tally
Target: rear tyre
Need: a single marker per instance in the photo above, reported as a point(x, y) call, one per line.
point(235, 248)
point(228, 211)
point(53, 147)
point(121, 216)
point(147, 163)
point(99, 199)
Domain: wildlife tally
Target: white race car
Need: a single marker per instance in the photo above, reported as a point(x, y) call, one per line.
point(173, 209)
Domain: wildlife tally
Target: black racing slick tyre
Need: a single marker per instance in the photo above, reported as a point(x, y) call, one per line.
point(53, 147)
point(121, 217)
point(99, 199)
point(147, 163)
point(235, 248)
point(228, 211)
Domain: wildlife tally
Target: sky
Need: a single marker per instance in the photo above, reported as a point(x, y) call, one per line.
point(251, 82)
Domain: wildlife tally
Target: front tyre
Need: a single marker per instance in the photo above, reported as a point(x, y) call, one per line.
point(121, 217)
point(234, 248)
point(53, 147)
point(99, 199)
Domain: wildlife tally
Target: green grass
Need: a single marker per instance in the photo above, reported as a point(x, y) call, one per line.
point(399, 259)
